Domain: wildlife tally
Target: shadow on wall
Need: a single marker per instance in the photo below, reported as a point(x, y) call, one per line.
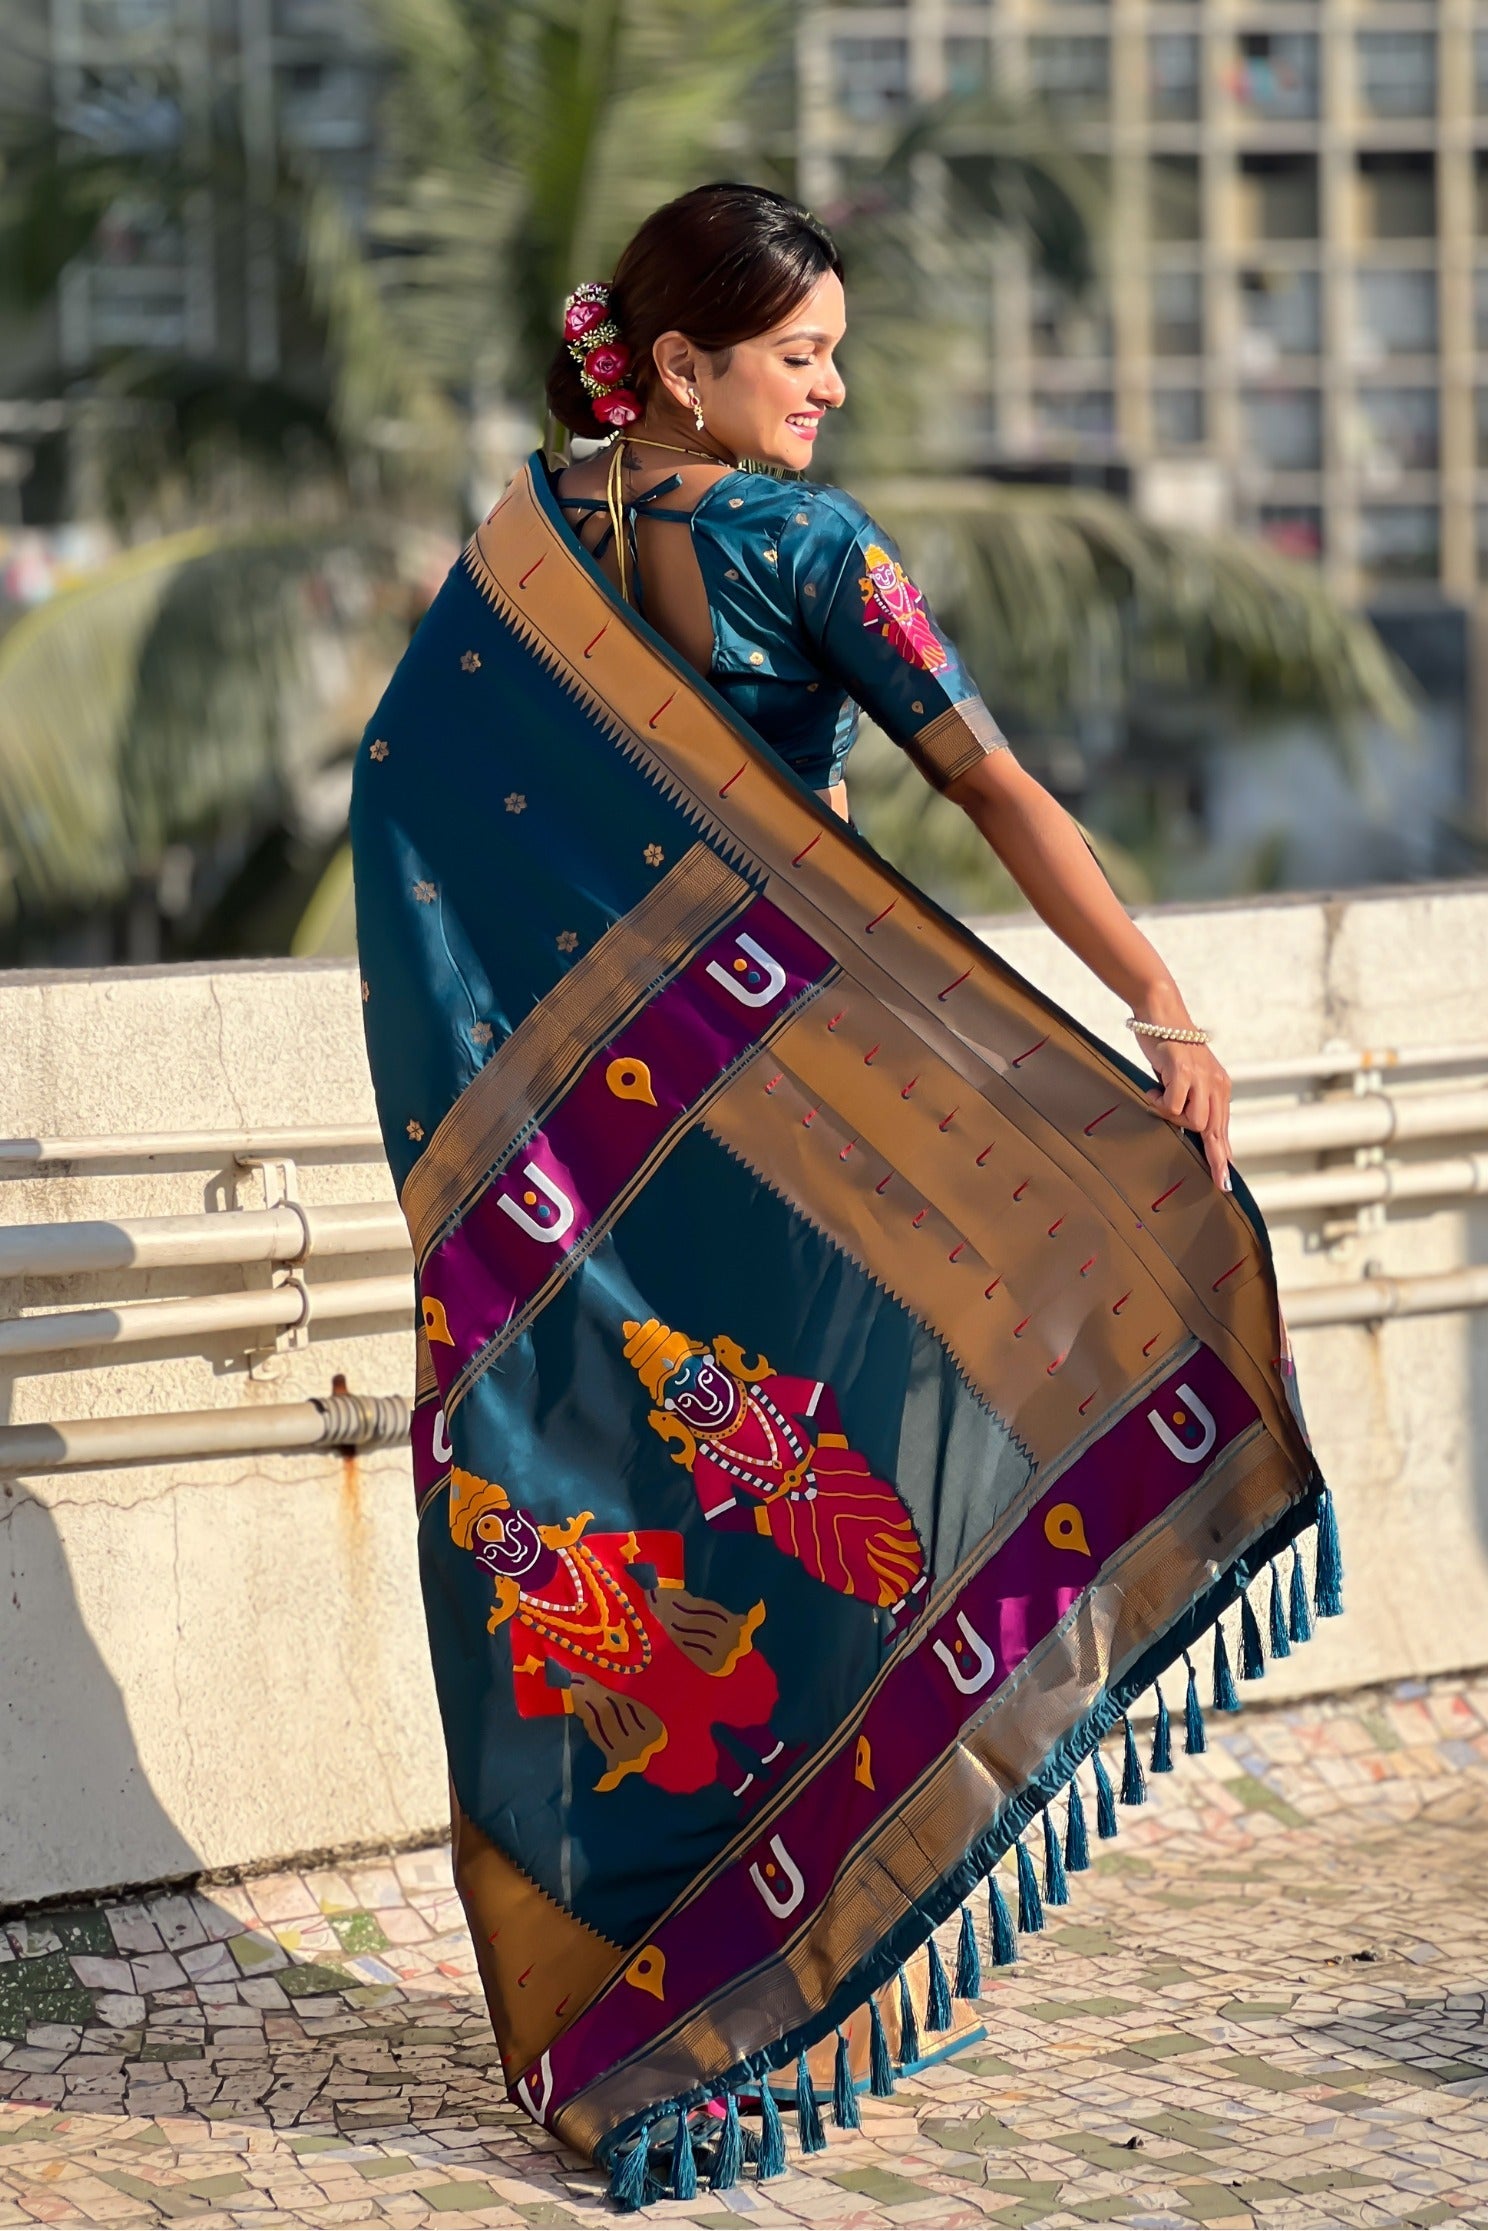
point(78, 1809)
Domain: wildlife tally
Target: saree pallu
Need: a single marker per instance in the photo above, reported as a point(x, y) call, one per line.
point(839, 1396)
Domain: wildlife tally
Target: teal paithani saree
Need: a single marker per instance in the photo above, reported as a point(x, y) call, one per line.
point(839, 1398)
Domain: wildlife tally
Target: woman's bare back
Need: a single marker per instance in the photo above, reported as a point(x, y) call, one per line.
point(672, 595)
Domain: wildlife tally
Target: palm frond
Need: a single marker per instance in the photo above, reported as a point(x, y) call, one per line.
point(1063, 600)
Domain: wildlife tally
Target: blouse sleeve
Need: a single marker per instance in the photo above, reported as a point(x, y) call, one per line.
point(870, 629)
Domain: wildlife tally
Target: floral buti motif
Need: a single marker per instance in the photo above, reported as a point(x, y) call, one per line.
point(894, 606)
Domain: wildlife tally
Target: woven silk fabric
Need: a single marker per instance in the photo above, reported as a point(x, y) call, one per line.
point(839, 1395)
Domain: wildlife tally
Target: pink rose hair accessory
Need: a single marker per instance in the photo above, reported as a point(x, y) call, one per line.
point(595, 345)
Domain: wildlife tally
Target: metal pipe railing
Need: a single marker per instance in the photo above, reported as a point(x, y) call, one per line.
point(195, 1146)
point(1459, 1177)
point(1366, 1300)
point(205, 1316)
point(340, 1421)
point(1370, 1119)
point(271, 1235)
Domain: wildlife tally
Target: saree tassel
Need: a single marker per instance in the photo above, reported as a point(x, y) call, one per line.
point(938, 2015)
point(1226, 1695)
point(968, 1983)
point(771, 2161)
point(1195, 1740)
point(1004, 1935)
point(1056, 1888)
point(845, 2112)
point(1280, 1643)
point(1252, 1656)
point(909, 2028)
point(628, 2175)
point(1030, 1911)
point(808, 2114)
point(728, 2157)
point(880, 2063)
point(1133, 1780)
point(684, 2161)
point(1106, 1823)
point(1161, 1761)
point(1299, 1618)
point(1327, 1583)
point(1076, 1835)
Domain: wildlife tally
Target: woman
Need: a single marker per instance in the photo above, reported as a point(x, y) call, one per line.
point(840, 1395)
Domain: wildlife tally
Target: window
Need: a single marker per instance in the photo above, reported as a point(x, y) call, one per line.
point(1399, 541)
point(1482, 415)
point(1279, 197)
point(870, 77)
point(1394, 314)
point(968, 67)
point(1284, 429)
point(1177, 417)
point(1295, 530)
point(1088, 417)
point(1480, 71)
point(1280, 315)
point(1173, 197)
point(1073, 76)
point(1276, 75)
point(1397, 72)
point(1173, 76)
point(1397, 196)
point(1065, 329)
point(1177, 313)
point(1400, 428)
point(1480, 311)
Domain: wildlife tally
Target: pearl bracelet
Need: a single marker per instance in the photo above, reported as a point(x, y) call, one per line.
point(1174, 1033)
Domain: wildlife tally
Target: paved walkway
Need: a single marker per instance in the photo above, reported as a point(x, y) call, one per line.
point(1265, 2004)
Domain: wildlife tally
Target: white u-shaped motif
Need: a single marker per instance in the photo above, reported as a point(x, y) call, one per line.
point(774, 974)
point(549, 1233)
point(795, 1882)
point(1203, 1419)
point(443, 1447)
point(968, 1679)
point(536, 2102)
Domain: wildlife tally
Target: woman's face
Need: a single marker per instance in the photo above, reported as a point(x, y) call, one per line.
point(768, 400)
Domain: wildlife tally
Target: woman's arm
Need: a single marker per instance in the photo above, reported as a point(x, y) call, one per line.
point(1053, 866)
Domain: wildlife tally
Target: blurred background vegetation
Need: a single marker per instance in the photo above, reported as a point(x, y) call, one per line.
point(278, 281)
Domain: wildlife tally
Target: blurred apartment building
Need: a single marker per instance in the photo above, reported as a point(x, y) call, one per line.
point(1294, 333)
point(231, 91)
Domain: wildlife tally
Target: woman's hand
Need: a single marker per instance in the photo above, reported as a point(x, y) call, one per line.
point(1193, 1092)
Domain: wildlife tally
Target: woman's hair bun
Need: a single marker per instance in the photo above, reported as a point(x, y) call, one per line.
point(721, 264)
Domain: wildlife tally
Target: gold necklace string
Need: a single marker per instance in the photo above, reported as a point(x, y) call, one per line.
point(614, 505)
point(677, 449)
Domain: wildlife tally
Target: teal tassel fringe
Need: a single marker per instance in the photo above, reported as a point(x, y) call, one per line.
point(728, 2160)
point(909, 2028)
point(938, 2015)
point(1252, 1657)
point(1004, 1935)
point(771, 2161)
point(1106, 1823)
point(808, 2115)
point(1327, 1585)
point(1226, 1695)
point(880, 2064)
point(968, 1981)
point(1280, 1644)
point(1056, 1889)
point(1133, 1781)
point(684, 2161)
point(628, 2176)
point(1299, 1618)
point(1162, 1737)
point(845, 2112)
point(1195, 1740)
point(1076, 1837)
point(1030, 1911)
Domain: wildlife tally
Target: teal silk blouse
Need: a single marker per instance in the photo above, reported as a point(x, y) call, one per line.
point(815, 621)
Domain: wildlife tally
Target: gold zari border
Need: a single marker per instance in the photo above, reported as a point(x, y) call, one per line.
point(587, 1006)
point(949, 746)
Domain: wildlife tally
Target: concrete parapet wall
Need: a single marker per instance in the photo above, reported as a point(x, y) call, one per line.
point(213, 1665)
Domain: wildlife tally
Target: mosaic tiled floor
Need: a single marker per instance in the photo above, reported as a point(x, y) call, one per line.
point(1265, 2004)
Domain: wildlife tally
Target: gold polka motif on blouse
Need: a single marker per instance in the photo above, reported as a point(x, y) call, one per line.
point(378, 748)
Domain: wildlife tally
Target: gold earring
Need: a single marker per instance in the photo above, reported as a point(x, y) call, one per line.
point(697, 411)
